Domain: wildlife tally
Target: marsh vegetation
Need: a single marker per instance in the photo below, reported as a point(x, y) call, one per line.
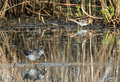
point(73, 53)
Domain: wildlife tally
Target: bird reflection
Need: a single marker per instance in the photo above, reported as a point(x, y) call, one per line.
point(35, 74)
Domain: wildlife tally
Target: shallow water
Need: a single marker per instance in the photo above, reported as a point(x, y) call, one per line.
point(89, 57)
point(68, 72)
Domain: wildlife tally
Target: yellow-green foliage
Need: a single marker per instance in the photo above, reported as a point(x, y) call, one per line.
point(111, 11)
point(105, 13)
point(78, 11)
point(104, 41)
point(111, 8)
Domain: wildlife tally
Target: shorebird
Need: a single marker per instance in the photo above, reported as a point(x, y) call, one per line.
point(34, 54)
point(35, 74)
point(82, 22)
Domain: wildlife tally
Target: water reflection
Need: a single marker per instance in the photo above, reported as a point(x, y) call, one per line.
point(69, 59)
point(55, 72)
point(109, 71)
point(35, 74)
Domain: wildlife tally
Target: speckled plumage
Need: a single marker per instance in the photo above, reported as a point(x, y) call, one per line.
point(82, 21)
point(34, 54)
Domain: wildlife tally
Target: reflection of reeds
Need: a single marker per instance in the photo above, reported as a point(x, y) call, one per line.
point(82, 51)
point(6, 73)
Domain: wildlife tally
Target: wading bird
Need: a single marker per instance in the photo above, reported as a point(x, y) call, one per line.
point(82, 21)
point(34, 54)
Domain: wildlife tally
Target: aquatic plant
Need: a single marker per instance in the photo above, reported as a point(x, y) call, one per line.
point(108, 37)
point(108, 15)
point(111, 12)
point(78, 11)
